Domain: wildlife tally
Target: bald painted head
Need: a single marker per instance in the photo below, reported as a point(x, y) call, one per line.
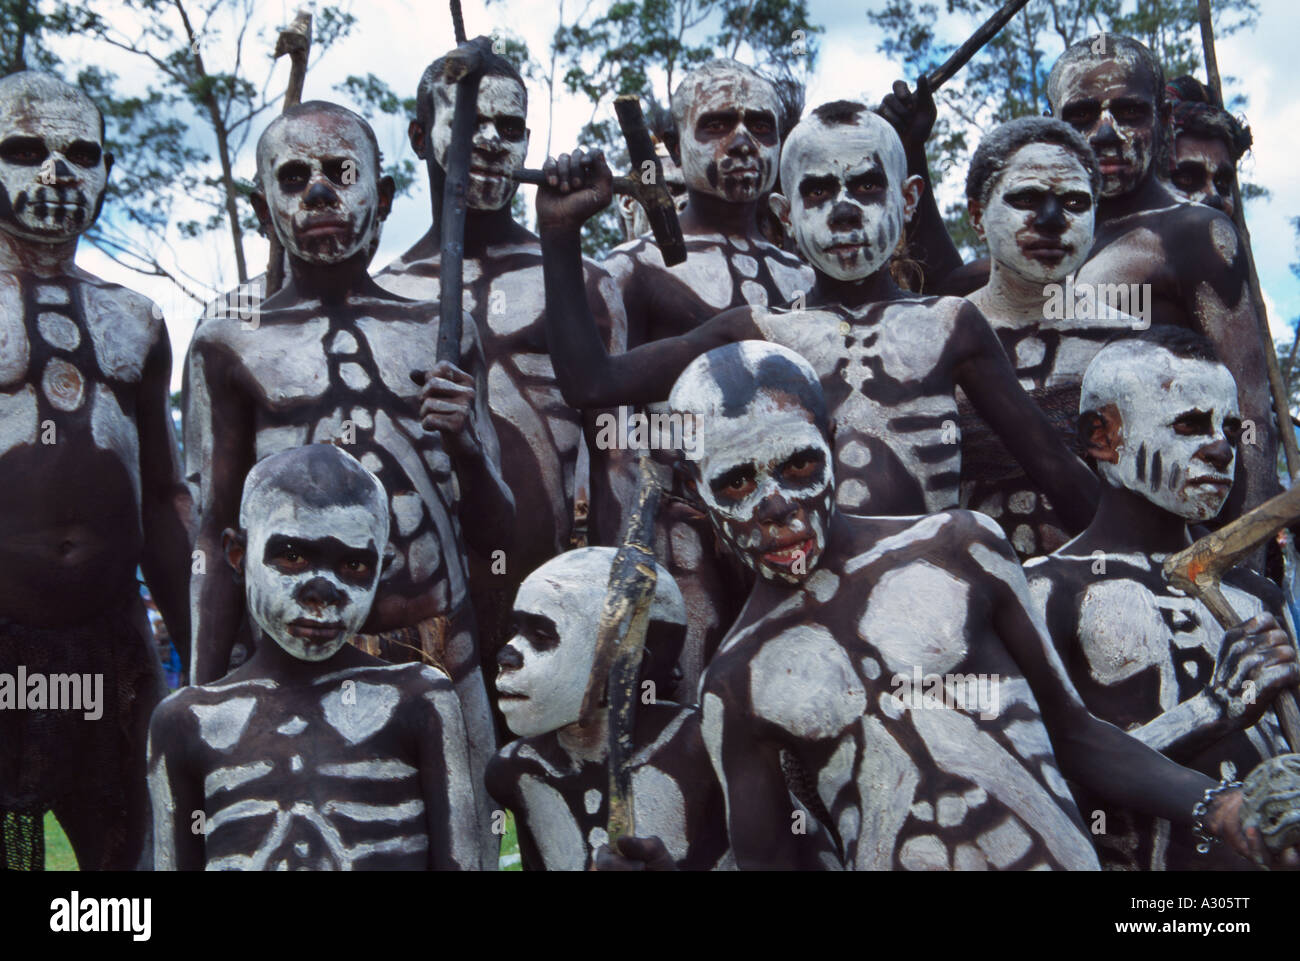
point(325, 195)
point(1111, 89)
point(314, 525)
point(762, 459)
point(847, 192)
point(1158, 413)
point(53, 166)
point(728, 126)
point(545, 667)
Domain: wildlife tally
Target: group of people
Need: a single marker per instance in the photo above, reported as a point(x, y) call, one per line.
point(908, 610)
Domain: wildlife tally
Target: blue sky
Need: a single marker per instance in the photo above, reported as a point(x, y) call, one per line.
point(395, 39)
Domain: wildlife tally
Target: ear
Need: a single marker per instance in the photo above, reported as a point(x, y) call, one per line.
point(913, 188)
point(976, 211)
point(416, 133)
point(258, 200)
point(1100, 433)
point(233, 545)
point(387, 188)
point(780, 206)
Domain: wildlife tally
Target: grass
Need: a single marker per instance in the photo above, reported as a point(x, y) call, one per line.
point(58, 852)
point(59, 856)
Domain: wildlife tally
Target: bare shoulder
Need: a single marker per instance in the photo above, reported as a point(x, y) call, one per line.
point(132, 315)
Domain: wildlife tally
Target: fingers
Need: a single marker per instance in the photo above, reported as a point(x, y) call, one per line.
point(607, 860)
point(444, 371)
point(573, 171)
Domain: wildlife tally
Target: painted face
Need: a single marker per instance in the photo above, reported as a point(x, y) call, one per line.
point(311, 573)
point(1202, 172)
point(844, 184)
point(500, 139)
point(730, 144)
point(52, 164)
point(1179, 426)
point(1113, 104)
point(1039, 216)
point(545, 666)
point(322, 186)
point(769, 491)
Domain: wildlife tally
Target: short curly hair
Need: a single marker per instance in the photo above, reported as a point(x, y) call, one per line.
point(996, 150)
point(1195, 112)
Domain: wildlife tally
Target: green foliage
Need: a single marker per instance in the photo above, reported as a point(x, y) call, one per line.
point(1008, 78)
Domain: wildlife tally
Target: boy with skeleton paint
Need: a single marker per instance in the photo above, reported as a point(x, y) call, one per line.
point(91, 481)
point(1031, 190)
point(544, 461)
point(889, 363)
point(1159, 415)
point(312, 755)
point(811, 667)
point(728, 124)
point(555, 778)
point(334, 357)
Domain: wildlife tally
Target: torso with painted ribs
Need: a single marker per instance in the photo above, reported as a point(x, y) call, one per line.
point(908, 784)
point(73, 349)
point(887, 372)
point(321, 776)
point(1136, 648)
point(561, 801)
point(343, 375)
point(540, 435)
point(720, 272)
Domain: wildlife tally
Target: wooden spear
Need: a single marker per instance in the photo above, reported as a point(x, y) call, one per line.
point(294, 40)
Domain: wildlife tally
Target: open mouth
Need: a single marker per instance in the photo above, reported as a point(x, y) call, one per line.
point(317, 632)
point(1112, 165)
point(844, 249)
point(787, 556)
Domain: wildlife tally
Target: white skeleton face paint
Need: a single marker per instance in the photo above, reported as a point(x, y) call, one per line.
point(1202, 171)
point(311, 573)
point(730, 142)
point(1039, 216)
point(53, 169)
point(844, 184)
point(1179, 425)
point(1112, 102)
point(500, 138)
point(764, 468)
point(322, 185)
point(545, 667)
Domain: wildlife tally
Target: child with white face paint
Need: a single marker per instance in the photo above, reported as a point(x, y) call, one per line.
point(728, 120)
point(1159, 414)
point(1031, 191)
point(889, 363)
point(548, 456)
point(332, 356)
point(556, 778)
point(312, 755)
point(810, 671)
point(91, 480)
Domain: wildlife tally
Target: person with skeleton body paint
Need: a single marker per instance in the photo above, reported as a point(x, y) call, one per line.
point(1208, 143)
point(544, 459)
point(1159, 414)
point(555, 777)
point(312, 755)
point(334, 357)
point(812, 668)
point(90, 470)
point(727, 120)
point(889, 363)
point(1031, 190)
point(1187, 259)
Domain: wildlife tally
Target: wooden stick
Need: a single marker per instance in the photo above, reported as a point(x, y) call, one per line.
point(295, 41)
point(1281, 402)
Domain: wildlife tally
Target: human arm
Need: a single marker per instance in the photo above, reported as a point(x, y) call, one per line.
point(451, 818)
point(175, 790)
point(166, 508)
point(578, 187)
point(984, 372)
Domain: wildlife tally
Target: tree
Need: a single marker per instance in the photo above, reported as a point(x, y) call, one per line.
point(644, 47)
point(1008, 78)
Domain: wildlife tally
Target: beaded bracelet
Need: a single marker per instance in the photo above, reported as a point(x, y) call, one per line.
point(1202, 808)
